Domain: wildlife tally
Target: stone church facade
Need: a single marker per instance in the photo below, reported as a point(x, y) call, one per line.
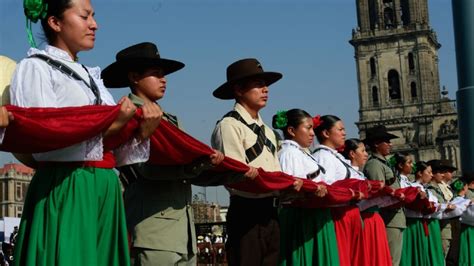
point(396, 53)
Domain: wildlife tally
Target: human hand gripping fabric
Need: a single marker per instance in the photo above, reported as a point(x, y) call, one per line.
point(321, 191)
point(252, 173)
point(5, 117)
point(216, 158)
point(152, 115)
point(450, 207)
point(422, 194)
point(127, 110)
point(297, 184)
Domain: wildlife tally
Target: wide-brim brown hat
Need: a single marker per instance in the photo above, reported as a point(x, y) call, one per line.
point(243, 70)
point(138, 56)
point(378, 133)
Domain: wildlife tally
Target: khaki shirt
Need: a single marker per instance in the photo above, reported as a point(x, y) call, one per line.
point(158, 205)
point(233, 138)
point(376, 168)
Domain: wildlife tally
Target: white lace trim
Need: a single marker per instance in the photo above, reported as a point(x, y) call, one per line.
point(94, 149)
point(134, 151)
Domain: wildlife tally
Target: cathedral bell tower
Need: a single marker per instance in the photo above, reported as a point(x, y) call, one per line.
point(396, 54)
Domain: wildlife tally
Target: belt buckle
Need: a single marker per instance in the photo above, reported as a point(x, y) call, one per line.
point(276, 202)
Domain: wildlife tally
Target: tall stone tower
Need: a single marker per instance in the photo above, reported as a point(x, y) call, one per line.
point(396, 54)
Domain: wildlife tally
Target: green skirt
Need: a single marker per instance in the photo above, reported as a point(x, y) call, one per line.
point(466, 251)
point(420, 249)
point(307, 237)
point(73, 216)
point(415, 249)
point(435, 243)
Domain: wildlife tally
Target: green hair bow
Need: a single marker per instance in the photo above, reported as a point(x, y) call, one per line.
point(413, 169)
point(281, 121)
point(34, 10)
point(392, 162)
point(457, 186)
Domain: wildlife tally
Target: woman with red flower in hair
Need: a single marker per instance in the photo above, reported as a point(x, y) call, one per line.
point(331, 135)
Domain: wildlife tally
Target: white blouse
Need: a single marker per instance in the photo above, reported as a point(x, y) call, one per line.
point(404, 181)
point(468, 216)
point(440, 208)
point(296, 161)
point(330, 160)
point(36, 84)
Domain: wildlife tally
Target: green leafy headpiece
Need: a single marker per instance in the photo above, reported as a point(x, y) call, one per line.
point(34, 10)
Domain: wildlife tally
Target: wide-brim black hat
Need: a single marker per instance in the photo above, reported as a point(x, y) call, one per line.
point(138, 56)
point(378, 133)
point(243, 70)
point(442, 165)
point(436, 165)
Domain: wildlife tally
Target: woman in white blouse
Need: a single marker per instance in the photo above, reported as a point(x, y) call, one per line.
point(422, 236)
point(73, 212)
point(374, 238)
point(307, 234)
point(331, 135)
point(463, 189)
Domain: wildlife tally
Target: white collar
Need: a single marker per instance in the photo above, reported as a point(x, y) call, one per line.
point(328, 148)
point(289, 142)
point(53, 51)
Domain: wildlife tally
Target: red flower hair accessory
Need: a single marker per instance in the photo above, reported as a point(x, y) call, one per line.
point(341, 149)
point(317, 121)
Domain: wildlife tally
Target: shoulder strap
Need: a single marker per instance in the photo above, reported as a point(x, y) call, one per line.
point(348, 172)
point(253, 152)
point(171, 118)
point(71, 73)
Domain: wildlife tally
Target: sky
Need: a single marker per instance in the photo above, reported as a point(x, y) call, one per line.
point(305, 40)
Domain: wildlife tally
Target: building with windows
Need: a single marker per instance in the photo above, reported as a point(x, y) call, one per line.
point(396, 53)
point(14, 182)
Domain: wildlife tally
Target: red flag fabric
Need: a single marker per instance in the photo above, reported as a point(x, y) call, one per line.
point(36, 130)
point(44, 129)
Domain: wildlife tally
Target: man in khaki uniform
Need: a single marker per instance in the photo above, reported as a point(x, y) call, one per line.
point(157, 198)
point(444, 194)
point(377, 168)
point(252, 223)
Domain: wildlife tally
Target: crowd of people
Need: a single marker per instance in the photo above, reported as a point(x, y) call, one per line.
point(211, 249)
point(75, 205)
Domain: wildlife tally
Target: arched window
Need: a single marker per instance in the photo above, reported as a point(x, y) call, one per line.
point(411, 62)
point(405, 12)
point(373, 14)
point(414, 92)
point(394, 85)
point(388, 18)
point(373, 71)
point(375, 96)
